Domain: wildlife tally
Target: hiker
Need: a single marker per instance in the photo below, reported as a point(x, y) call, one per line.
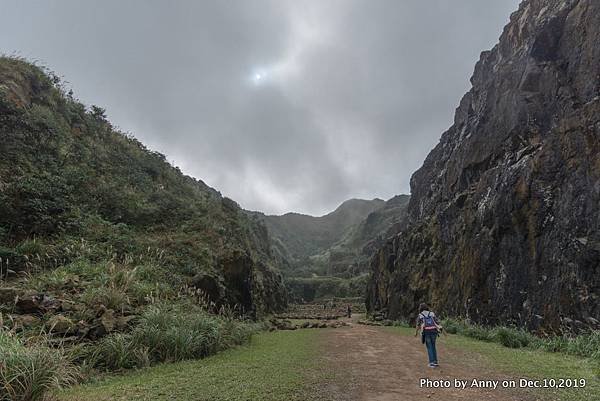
point(430, 328)
point(349, 310)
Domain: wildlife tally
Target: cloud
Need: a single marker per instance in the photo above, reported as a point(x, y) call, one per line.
point(280, 105)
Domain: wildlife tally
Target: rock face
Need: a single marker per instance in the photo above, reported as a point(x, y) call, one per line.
point(503, 223)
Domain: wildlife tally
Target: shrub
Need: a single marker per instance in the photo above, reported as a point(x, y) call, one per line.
point(112, 298)
point(478, 332)
point(453, 326)
point(402, 323)
point(235, 333)
point(115, 352)
point(585, 345)
point(512, 337)
point(29, 373)
point(170, 333)
point(552, 344)
point(31, 247)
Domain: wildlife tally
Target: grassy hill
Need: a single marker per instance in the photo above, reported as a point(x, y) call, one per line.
point(110, 257)
point(73, 187)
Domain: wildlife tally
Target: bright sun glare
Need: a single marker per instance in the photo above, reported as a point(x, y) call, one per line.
point(259, 77)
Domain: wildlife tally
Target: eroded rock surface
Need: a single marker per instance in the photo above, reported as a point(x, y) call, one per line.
point(503, 221)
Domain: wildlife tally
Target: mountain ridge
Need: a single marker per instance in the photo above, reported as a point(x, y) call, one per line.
point(326, 256)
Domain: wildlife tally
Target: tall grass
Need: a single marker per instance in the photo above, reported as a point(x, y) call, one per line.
point(172, 334)
point(586, 345)
point(29, 373)
point(168, 333)
point(512, 337)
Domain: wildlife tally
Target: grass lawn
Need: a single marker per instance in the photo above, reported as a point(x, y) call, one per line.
point(528, 363)
point(281, 365)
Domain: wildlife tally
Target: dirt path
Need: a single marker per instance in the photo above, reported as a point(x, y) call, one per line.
point(376, 365)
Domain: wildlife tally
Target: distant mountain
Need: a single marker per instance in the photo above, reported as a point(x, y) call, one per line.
point(328, 255)
point(298, 237)
point(351, 255)
point(74, 188)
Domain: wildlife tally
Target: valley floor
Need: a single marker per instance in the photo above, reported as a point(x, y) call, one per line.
point(353, 363)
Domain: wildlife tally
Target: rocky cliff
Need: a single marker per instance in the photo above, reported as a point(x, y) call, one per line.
point(504, 218)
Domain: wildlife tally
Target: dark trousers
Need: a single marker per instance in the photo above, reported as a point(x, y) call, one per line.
point(429, 340)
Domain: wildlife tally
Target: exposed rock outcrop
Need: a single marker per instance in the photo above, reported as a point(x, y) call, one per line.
point(503, 223)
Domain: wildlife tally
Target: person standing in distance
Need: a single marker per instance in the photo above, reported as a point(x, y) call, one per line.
point(429, 327)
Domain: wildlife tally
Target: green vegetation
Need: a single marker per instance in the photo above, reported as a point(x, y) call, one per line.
point(328, 256)
point(116, 285)
point(299, 237)
point(74, 187)
point(28, 373)
point(165, 333)
point(315, 288)
point(351, 255)
point(534, 363)
point(585, 345)
point(110, 257)
point(538, 357)
point(530, 362)
point(170, 333)
point(276, 366)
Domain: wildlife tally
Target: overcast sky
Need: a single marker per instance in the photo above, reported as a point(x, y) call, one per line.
point(281, 105)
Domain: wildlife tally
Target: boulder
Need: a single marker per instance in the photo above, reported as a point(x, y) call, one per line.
point(108, 320)
point(122, 322)
point(29, 305)
point(8, 295)
point(36, 303)
point(59, 324)
point(21, 322)
point(96, 332)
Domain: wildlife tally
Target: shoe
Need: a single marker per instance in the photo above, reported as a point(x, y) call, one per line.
point(431, 365)
point(435, 364)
